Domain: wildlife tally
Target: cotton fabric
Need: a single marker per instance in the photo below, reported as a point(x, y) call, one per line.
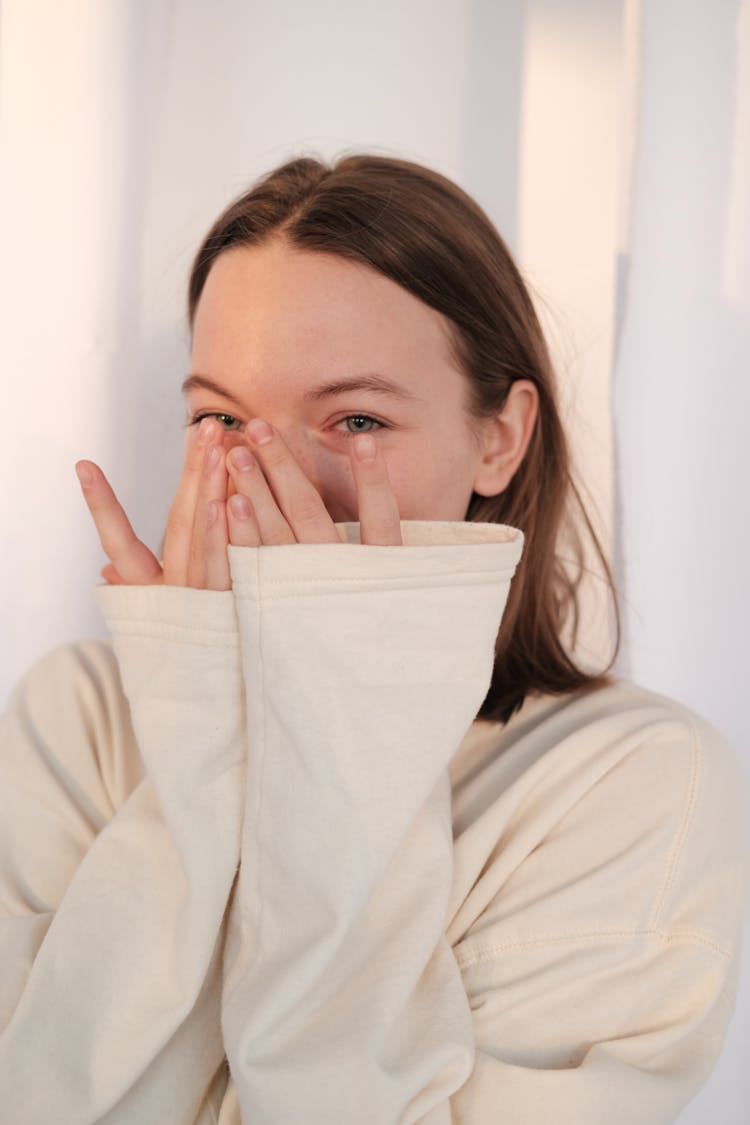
point(259, 863)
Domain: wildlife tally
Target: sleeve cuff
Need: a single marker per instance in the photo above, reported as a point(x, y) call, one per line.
point(181, 613)
point(432, 552)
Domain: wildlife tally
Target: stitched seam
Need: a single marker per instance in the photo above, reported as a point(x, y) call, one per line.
point(262, 763)
point(246, 590)
point(133, 621)
point(489, 576)
point(203, 635)
point(490, 952)
point(677, 848)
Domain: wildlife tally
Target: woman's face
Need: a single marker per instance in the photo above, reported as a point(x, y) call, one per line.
point(322, 349)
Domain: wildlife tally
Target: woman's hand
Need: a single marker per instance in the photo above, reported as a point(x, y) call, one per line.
point(185, 544)
point(274, 503)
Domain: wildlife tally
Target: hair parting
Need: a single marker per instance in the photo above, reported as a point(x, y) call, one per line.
point(422, 231)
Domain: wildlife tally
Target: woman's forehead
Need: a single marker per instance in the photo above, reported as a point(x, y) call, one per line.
point(274, 307)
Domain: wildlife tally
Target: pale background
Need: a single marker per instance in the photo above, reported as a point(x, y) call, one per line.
point(608, 139)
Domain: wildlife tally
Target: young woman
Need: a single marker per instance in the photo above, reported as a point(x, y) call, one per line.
point(316, 839)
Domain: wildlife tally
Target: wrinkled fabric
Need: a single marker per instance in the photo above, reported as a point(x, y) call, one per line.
point(258, 863)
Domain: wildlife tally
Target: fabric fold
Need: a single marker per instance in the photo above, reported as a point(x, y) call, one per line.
point(341, 989)
point(126, 966)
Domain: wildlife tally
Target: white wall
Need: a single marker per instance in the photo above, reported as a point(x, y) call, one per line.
point(125, 128)
point(163, 113)
point(570, 181)
point(75, 102)
point(682, 400)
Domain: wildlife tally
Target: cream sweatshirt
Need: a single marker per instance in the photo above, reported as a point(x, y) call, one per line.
point(258, 863)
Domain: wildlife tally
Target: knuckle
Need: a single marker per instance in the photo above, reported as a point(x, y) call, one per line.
point(305, 511)
point(277, 537)
point(275, 457)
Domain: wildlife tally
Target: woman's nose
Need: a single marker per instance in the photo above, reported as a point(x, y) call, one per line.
point(302, 448)
point(328, 472)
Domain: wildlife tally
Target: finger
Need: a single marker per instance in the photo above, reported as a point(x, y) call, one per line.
point(212, 487)
point(110, 576)
point(132, 559)
point(179, 537)
point(243, 527)
point(379, 520)
point(299, 501)
point(217, 575)
point(251, 483)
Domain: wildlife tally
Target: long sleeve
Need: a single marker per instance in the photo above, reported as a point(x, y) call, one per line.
point(363, 668)
point(433, 920)
point(600, 886)
point(111, 905)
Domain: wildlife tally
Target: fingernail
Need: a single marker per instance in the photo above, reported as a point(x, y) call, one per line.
point(240, 506)
point(85, 476)
point(364, 447)
point(259, 431)
point(242, 458)
point(205, 430)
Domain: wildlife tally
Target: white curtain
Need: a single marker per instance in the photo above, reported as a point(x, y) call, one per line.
point(682, 398)
point(80, 87)
point(610, 141)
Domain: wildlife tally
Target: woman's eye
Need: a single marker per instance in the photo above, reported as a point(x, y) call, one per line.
point(228, 421)
point(359, 423)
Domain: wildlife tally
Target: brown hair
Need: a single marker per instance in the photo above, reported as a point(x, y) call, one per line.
point(422, 231)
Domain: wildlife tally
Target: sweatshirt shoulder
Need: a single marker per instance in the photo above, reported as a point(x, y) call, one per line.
point(585, 738)
point(681, 754)
point(704, 889)
point(75, 662)
point(662, 738)
point(662, 755)
point(628, 705)
point(624, 807)
point(69, 708)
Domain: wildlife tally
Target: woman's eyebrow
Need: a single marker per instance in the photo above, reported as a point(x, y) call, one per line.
point(376, 383)
point(202, 382)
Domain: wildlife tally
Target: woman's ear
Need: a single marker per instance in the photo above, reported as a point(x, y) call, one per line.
point(505, 439)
